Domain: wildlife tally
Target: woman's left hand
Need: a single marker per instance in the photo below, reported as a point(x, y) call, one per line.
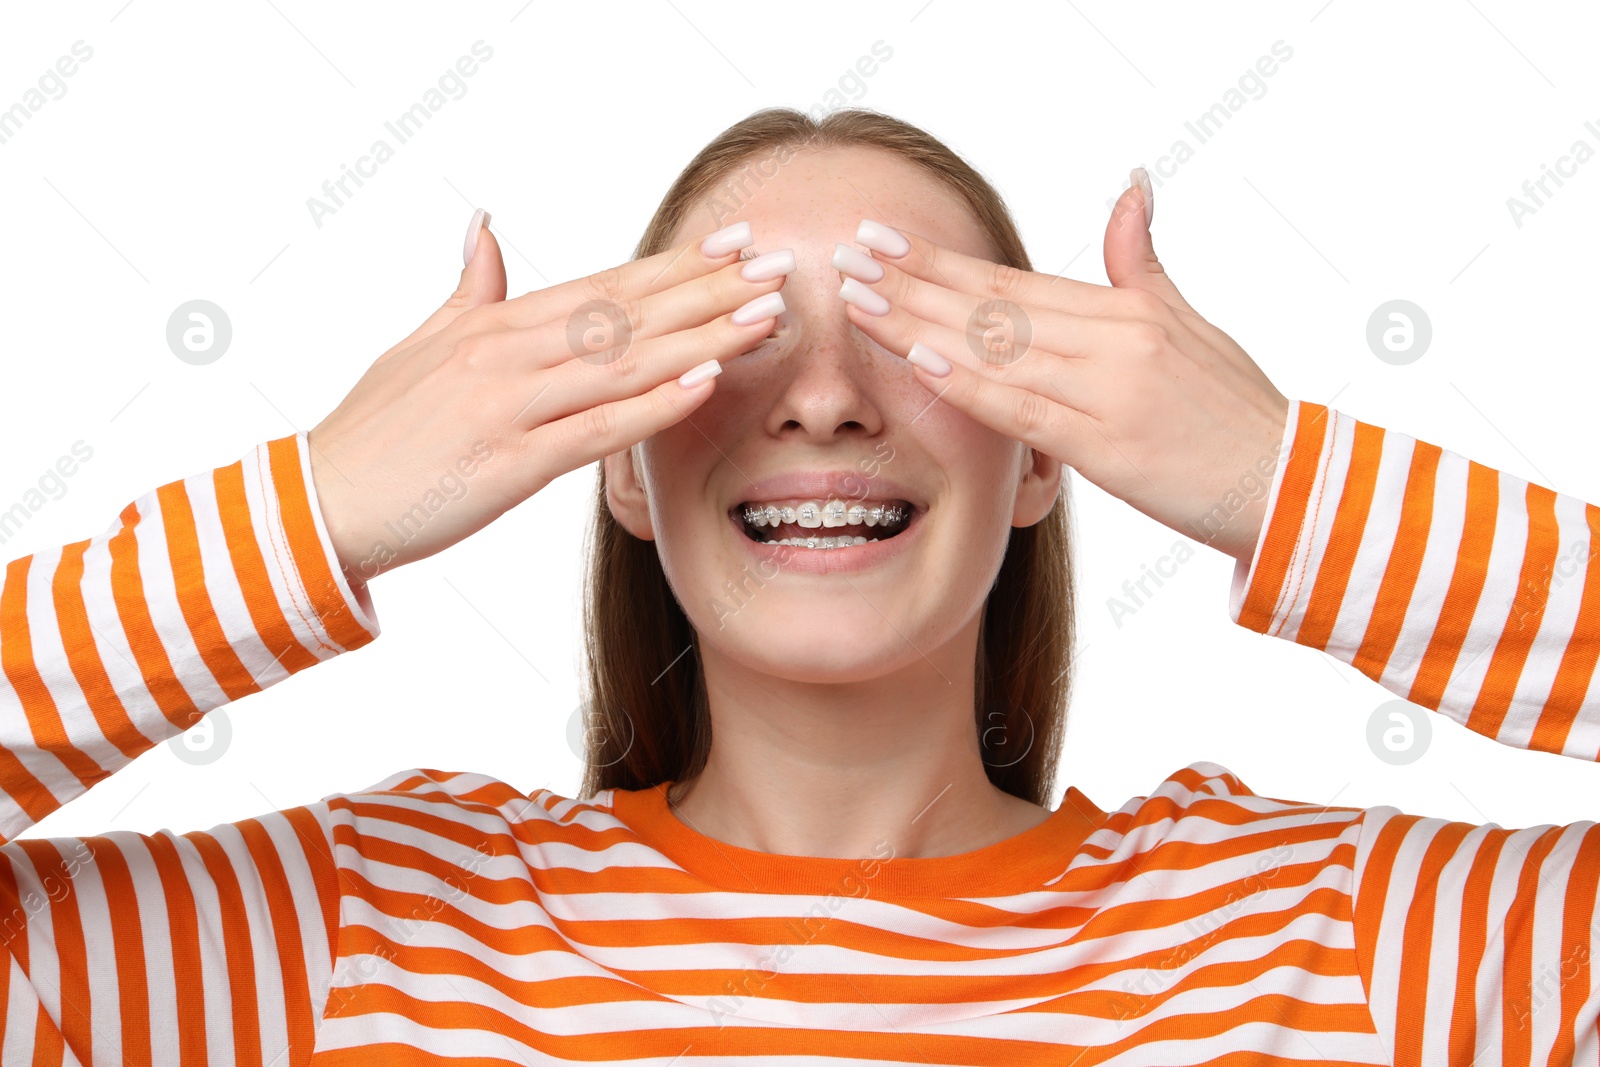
point(1126, 384)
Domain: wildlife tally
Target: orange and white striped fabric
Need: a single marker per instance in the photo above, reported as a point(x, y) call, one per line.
point(442, 917)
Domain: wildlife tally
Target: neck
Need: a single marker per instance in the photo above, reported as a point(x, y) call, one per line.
point(808, 769)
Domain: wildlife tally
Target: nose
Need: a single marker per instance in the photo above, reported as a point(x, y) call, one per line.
point(828, 377)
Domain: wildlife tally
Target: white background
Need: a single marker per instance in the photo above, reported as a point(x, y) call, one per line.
point(1376, 165)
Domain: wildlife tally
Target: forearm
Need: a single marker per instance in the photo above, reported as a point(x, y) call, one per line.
point(203, 591)
point(1458, 587)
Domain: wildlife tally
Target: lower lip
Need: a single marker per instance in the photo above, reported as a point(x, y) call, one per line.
point(804, 560)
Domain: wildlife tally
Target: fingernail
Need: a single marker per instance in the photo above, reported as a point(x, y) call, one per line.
point(768, 266)
point(856, 293)
point(928, 359)
point(856, 263)
point(480, 219)
point(881, 238)
point(728, 239)
point(695, 375)
point(1141, 177)
point(765, 306)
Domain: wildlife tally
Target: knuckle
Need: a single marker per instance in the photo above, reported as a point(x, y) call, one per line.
point(1147, 340)
point(472, 351)
point(1004, 280)
point(1031, 413)
point(633, 315)
point(597, 423)
point(607, 284)
point(1145, 304)
point(626, 364)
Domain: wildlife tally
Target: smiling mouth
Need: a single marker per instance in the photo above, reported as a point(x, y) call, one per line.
point(824, 523)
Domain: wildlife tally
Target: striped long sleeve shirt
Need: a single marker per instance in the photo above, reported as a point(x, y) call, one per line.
point(445, 917)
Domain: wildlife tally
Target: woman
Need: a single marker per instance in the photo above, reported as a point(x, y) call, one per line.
point(860, 868)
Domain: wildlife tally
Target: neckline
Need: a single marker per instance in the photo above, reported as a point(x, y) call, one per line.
point(1016, 864)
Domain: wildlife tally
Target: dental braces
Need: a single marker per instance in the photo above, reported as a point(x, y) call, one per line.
point(855, 514)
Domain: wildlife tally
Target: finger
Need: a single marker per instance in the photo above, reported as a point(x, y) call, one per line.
point(603, 332)
point(581, 383)
point(727, 293)
point(1062, 331)
point(632, 281)
point(922, 258)
point(482, 281)
point(1129, 251)
point(1041, 351)
point(1039, 420)
point(594, 433)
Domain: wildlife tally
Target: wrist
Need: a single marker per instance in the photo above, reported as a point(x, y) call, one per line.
point(334, 513)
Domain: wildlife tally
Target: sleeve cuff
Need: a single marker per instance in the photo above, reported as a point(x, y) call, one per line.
point(299, 550)
point(1264, 590)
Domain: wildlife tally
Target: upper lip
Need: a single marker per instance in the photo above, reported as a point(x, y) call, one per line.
point(824, 484)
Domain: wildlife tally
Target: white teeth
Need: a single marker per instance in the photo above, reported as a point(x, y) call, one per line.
point(842, 541)
point(810, 516)
point(787, 514)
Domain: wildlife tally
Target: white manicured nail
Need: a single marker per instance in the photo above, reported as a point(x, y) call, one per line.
point(857, 263)
point(480, 219)
point(856, 293)
point(881, 238)
point(728, 239)
point(928, 359)
point(695, 375)
point(765, 306)
point(1141, 177)
point(768, 266)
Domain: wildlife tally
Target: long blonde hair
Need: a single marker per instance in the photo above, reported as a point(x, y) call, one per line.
point(647, 719)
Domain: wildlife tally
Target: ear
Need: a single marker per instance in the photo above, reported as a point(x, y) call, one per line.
point(626, 497)
point(1037, 491)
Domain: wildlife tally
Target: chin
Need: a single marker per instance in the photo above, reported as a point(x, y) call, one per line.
point(856, 646)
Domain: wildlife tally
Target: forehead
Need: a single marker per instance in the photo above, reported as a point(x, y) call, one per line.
point(821, 195)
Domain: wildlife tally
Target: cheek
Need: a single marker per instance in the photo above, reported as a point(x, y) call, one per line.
point(701, 438)
point(974, 462)
point(689, 528)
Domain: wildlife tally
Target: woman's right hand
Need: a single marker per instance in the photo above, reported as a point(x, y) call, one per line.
point(490, 399)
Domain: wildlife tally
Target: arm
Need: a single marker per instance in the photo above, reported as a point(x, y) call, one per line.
point(163, 947)
point(1461, 588)
point(1471, 592)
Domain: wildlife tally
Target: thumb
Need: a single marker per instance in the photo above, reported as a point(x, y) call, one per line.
point(483, 280)
point(483, 276)
point(1130, 255)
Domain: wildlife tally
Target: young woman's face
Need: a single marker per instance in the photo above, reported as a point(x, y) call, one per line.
point(821, 399)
